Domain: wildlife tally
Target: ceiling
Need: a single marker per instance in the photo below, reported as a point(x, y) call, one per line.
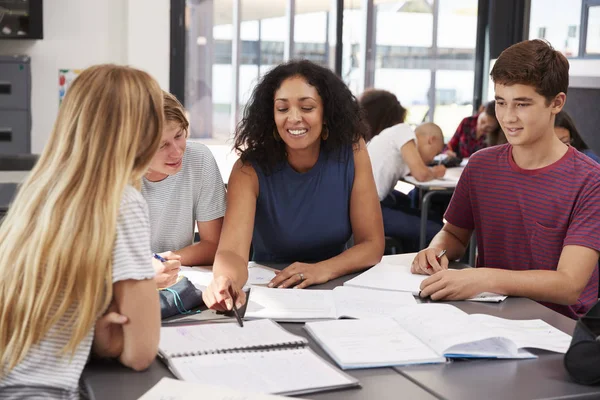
point(261, 9)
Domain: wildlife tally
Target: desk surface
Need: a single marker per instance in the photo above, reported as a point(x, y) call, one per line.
point(449, 181)
point(544, 377)
point(110, 380)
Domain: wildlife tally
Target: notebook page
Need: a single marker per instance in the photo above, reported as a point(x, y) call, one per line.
point(173, 389)
point(199, 339)
point(354, 302)
point(533, 333)
point(289, 371)
point(384, 276)
point(259, 274)
point(202, 276)
point(290, 304)
point(371, 342)
point(444, 327)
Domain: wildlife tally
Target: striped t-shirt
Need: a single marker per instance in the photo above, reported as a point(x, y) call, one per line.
point(195, 193)
point(523, 218)
point(44, 373)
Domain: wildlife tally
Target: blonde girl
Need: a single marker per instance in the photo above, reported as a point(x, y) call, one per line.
point(75, 244)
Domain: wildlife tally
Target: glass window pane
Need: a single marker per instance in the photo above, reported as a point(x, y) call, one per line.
point(454, 99)
point(208, 61)
point(558, 22)
point(352, 31)
point(313, 38)
point(592, 41)
point(455, 63)
point(403, 58)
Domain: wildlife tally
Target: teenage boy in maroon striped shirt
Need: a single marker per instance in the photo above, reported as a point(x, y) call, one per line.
point(533, 203)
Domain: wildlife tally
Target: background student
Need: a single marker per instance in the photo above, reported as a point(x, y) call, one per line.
point(183, 187)
point(396, 152)
point(534, 203)
point(88, 246)
point(475, 133)
point(302, 187)
point(567, 132)
point(382, 110)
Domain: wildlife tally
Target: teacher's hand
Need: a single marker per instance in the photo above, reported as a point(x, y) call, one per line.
point(300, 275)
point(221, 293)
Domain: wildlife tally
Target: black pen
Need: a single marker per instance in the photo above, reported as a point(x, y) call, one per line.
point(235, 310)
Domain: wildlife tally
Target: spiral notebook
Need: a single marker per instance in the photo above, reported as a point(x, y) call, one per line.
point(261, 357)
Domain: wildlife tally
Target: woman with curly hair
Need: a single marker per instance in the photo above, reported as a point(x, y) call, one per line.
point(302, 188)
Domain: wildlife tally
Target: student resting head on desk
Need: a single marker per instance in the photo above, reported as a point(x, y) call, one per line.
point(396, 151)
point(534, 202)
point(302, 187)
point(182, 187)
point(76, 276)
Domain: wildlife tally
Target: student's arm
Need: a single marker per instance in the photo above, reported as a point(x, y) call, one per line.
point(367, 227)
point(418, 169)
point(138, 301)
point(203, 252)
point(230, 269)
point(563, 286)
point(452, 239)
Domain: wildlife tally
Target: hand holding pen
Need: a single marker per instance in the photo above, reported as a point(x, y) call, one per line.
point(429, 261)
point(166, 268)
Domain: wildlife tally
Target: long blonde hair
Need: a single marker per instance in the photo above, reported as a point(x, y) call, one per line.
point(57, 239)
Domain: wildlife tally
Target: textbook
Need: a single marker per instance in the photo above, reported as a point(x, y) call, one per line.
point(173, 389)
point(295, 305)
point(385, 276)
point(260, 357)
point(430, 333)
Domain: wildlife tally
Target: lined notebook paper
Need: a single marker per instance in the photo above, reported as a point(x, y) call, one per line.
point(261, 357)
point(294, 305)
point(385, 276)
point(178, 341)
point(428, 333)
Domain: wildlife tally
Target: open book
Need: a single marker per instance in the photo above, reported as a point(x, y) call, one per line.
point(428, 333)
point(294, 305)
point(261, 357)
point(172, 389)
point(385, 276)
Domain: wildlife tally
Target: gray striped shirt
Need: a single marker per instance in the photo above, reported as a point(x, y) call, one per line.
point(195, 193)
point(45, 374)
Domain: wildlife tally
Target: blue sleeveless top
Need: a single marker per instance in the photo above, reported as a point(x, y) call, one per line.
point(304, 217)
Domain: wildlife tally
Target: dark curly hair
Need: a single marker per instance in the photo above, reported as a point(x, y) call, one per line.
point(254, 139)
point(382, 110)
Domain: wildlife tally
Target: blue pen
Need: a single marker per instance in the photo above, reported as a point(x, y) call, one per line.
point(159, 258)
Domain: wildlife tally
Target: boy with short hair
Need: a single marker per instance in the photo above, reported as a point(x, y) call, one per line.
point(534, 202)
point(395, 153)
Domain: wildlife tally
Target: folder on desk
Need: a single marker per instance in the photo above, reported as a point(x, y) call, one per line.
point(261, 357)
point(430, 333)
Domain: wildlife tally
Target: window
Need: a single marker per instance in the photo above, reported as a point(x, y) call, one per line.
point(557, 21)
point(592, 42)
point(542, 32)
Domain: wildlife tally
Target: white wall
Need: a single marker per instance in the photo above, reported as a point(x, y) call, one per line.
point(80, 33)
